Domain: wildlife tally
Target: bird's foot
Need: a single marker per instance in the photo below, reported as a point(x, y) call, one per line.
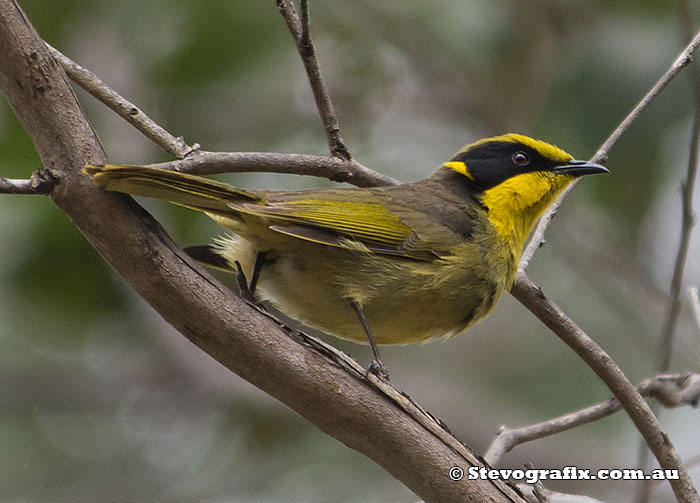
point(377, 368)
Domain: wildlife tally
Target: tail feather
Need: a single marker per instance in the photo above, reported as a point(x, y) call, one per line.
point(180, 188)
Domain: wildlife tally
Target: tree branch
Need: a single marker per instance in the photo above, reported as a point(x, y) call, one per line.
point(333, 168)
point(685, 392)
point(695, 304)
point(683, 60)
point(300, 29)
point(124, 108)
point(687, 223)
point(40, 183)
point(287, 365)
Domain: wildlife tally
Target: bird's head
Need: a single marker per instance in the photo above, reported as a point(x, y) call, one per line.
point(516, 178)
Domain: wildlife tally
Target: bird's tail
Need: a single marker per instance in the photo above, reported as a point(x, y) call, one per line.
point(191, 191)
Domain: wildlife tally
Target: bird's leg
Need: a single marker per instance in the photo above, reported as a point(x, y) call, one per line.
point(248, 289)
point(376, 366)
point(257, 267)
point(242, 281)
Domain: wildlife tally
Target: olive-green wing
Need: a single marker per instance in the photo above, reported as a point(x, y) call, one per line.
point(392, 221)
point(346, 217)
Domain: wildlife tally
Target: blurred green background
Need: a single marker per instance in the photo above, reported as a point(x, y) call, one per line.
point(100, 400)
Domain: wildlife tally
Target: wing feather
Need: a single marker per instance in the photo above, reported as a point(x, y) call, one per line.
point(349, 218)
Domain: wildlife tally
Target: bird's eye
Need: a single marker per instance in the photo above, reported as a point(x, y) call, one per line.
point(521, 159)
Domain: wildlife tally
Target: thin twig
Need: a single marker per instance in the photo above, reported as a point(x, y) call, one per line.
point(124, 108)
point(695, 304)
point(302, 37)
point(687, 223)
point(685, 392)
point(12, 186)
point(40, 183)
point(532, 297)
point(673, 306)
point(683, 59)
point(333, 168)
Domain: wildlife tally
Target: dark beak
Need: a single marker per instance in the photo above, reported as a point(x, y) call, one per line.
point(580, 168)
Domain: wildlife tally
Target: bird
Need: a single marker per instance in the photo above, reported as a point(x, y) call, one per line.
point(383, 265)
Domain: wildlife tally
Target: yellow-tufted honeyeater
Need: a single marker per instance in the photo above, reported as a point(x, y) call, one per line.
point(388, 265)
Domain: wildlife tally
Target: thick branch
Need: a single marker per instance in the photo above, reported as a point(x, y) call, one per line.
point(302, 37)
point(685, 392)
point(333, 397)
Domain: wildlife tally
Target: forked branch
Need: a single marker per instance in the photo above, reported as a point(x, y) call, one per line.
point(671, 390)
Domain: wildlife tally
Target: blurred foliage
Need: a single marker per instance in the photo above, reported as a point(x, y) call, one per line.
point(100, 400)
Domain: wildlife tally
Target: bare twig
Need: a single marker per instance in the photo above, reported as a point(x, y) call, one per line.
point(11, 186)
point(670, 390)
point(124, 108)
point(41, 182)
point(302, 37)
point(673, 307)
point(532, 297)
point(695, 303)
point(333, 168)
point(683, 59)
point(687, 222)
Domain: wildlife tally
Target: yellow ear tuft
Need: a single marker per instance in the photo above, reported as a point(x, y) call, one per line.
point(459, 167)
